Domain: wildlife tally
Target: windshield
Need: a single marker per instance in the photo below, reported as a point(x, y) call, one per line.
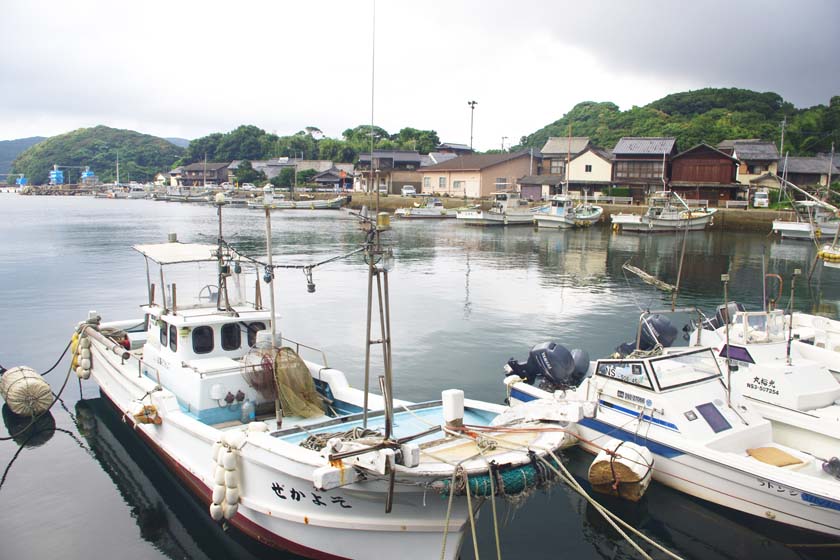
point(684, 369)
point(763, 327)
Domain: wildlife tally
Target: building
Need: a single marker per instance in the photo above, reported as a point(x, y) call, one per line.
point(557, 150)
point(642, 164)
point(706, 173)
point(392, 170)
point(757, 158)
point(457, 149)
point(809, 171)
point(270, 167)
point(334, 178)
point(210, 173)
point(590, 170)
point(477, 175)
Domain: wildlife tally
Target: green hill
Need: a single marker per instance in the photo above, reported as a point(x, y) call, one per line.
point(140, 155)
point(707, 115)
point(9, 150)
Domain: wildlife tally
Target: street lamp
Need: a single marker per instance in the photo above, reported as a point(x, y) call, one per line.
point(472, 105)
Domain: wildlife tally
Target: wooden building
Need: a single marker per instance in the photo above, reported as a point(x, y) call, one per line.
point(756, 158)
point(392, 170)
point(642, 164)
point(558, 149)
point(198, 174)
point(706, 173)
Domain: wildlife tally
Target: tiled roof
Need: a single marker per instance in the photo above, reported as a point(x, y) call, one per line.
point(815, 165)
point(396, 155)
point(541, 180)
point(752, 150)
point(631, 145)
point(202, 166)
point(704, 145)
point(475, 162)
point(562, 145)
point(600, 152)
point(452, 146)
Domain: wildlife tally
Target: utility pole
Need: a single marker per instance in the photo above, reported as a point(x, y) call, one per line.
point(472, 105)
point(782, 143)
point(503, 142)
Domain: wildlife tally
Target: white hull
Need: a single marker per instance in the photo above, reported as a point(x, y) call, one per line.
point(643, 224)
point(565, 222)
point(793, 230)
point(422, 214)
point(332, 204)
point(486, 218)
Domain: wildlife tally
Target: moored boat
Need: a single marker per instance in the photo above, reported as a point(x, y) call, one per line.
point(666, 211)
point(433, 208)
point(508, 209)
point(562, 212)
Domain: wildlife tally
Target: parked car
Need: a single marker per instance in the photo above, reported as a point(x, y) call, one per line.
point(761, 199)
point(408, 190)
point(248, 186)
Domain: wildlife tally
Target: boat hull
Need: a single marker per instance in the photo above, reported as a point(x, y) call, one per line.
point(484, 218)
point(643, 224)
point(566, 222)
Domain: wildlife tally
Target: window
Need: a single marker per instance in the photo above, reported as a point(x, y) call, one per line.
point(427, 184)
point(558, 167)
point(173, 338)
point(684, 369)
point(587, 169)
point(231, 336)
point(163, 329)
point(202, 340)
point(638, 170)
point(457, 185)
point(442, 183)
point(501, 183)
point(253, 329)
point(626, 371)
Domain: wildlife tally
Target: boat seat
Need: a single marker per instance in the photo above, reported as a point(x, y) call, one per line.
point(779, 456)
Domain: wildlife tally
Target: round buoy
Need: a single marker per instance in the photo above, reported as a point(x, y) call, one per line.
point(26, 392)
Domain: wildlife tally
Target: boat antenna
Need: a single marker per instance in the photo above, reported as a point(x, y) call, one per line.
point(268, 277)
point(796, 272)
point(725, 279)
point(220, 201)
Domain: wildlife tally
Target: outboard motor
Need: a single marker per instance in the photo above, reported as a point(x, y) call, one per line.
point(553, 362)
point(655, 329)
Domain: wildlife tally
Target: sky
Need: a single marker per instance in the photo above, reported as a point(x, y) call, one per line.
point(187, 68)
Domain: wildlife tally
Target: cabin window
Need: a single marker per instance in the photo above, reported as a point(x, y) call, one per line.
point(202, 340)
point(173, 338)
point(253, 329)
point(441, 182)
point(231, 336)
point(587, 168)
point(163, 330)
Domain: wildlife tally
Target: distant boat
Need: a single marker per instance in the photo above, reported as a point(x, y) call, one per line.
point(508, 209)
point(667, 212)
point(432, 209)
point(813, 220)
point(136, 190)
point(280, 203)
point(562, 213)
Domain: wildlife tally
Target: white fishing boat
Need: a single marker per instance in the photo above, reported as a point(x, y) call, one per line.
point(279, 202)
point(136, 191)
point(185, 193)
point(677, 405)
point(813, 221)
point(562, 212)
point(284, 448)
point(508, 209)
point(666, 211)
point(432, 209)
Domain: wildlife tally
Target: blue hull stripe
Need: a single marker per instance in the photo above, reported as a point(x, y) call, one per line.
point(635, 414)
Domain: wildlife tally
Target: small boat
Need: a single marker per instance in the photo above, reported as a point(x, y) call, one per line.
point(508, 209)
point(136, 190)
point(184, 193)
point(676, 404)
point(280, 203)
point(561, 212)
point(813, 221)
point(283, 448)
point(667, 211)
point(432, 209)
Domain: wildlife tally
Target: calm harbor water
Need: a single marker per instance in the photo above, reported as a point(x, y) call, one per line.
point(463, 301)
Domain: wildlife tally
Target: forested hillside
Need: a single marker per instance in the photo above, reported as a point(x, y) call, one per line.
point(140, 155)
point(706, 115)
point(9, 150)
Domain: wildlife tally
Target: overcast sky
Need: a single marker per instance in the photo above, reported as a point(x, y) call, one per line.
point(187, 68)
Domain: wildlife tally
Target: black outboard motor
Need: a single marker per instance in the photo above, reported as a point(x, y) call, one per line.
point(655, 328)
point(553, 362)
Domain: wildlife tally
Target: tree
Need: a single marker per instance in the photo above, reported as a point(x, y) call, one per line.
point(246, 173)
point(285, 178)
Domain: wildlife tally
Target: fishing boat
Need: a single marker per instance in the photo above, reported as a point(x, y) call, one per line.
point(282, 447)
point(508, 209)
point(562, 212)
point(813, 220)
point(676, 404)
point(279, 202)
point(667, 211)
point(432, 209)
point(136, 190)
point(185, 193)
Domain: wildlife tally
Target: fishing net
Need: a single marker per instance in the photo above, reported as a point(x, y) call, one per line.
point(297, 393)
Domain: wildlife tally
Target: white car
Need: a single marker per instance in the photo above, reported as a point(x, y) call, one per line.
point(761, 199)
point(408, 190)
point(248, 186)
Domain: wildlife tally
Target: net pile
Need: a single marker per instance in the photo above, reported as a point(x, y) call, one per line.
point(296, 389)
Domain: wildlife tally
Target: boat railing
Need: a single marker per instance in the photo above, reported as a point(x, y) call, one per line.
point(299, 345)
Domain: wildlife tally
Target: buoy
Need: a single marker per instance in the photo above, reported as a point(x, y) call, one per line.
point(25, 391)
point(622, 469)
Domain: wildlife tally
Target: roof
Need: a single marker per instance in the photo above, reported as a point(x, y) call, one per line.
point(173, 253)
point(563, 145)
point(600, 152)
point(201, 166)
point(542, 180)
point(396, 155)
point(453, 146)
point(475, 162)
point(704, 145)
point(754, 150)
point(815, 165)
point(632, 145)
point(437, 157)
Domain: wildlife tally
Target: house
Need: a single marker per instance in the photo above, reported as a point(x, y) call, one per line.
point(557, 150)
point(392, 170)
point(706, 173)
point(457, 149)
point(590, 170)
point(642, 164)
point(477, 175)
point(175, 177)
point(161, 179)
point(210, 173)
point(540, 187)
point(334, 178)
point(757, 158)
point(270, 167)
point(434, 158)
point(809, 171)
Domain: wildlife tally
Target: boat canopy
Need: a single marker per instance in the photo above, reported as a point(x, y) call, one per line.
point(175, 253)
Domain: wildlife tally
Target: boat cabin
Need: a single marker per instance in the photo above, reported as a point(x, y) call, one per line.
point(509, 202)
